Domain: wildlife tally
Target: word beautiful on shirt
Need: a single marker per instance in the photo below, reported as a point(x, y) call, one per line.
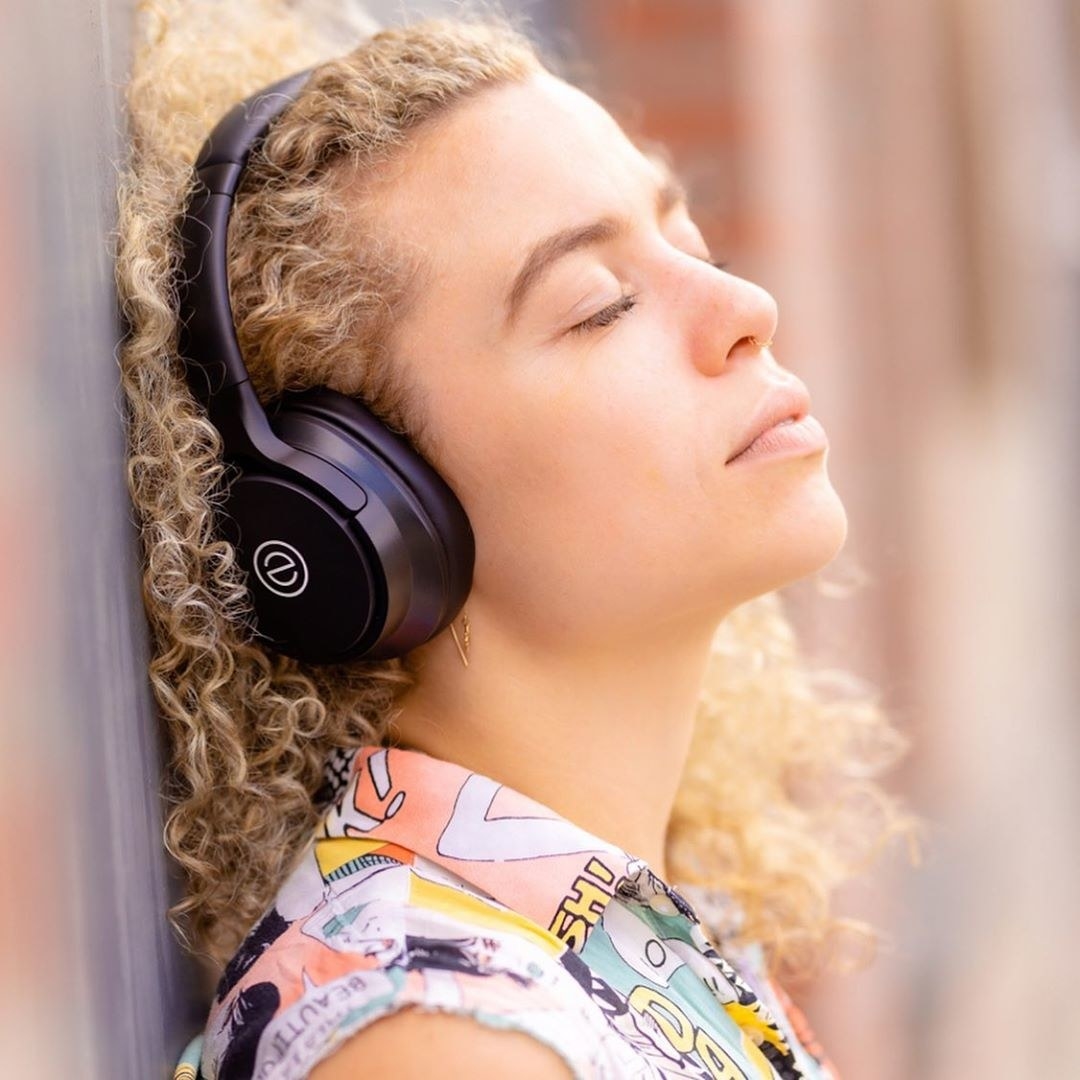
point(428, 884)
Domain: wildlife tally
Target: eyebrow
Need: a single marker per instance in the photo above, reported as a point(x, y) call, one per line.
point(548, 251)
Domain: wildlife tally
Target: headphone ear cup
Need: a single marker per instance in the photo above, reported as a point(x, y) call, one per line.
point(371, 580)
point(309, 576)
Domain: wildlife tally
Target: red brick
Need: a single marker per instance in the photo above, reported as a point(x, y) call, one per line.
point(607, 21)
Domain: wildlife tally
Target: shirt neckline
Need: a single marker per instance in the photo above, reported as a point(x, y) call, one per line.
point(516, 849)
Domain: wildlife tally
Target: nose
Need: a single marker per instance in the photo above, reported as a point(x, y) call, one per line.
point(736, 319)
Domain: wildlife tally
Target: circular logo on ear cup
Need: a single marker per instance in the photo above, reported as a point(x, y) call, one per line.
point(280, 568)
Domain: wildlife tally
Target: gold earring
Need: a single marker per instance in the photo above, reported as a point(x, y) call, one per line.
point(463, 653)
point(760, 345)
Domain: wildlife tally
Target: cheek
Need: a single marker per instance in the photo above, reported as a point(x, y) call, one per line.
point(617, 463)
point(562, 457)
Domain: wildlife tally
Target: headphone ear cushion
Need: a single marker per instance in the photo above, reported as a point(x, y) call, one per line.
point(448, 521)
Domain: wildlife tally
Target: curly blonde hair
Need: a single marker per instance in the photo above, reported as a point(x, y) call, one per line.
point(773, 807)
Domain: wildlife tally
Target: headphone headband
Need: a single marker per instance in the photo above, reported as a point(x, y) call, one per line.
point(208, 338)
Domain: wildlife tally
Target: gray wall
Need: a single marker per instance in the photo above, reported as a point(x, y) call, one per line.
point(102, 990)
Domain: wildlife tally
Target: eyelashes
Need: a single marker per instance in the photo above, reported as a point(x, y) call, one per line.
point(606, 316)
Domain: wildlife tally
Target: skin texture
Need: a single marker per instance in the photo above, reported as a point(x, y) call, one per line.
point(611, 536)
point(413, 1045)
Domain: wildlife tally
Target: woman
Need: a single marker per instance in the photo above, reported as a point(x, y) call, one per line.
point(583, 828)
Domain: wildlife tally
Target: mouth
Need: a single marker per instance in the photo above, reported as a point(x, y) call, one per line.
point(786, 403)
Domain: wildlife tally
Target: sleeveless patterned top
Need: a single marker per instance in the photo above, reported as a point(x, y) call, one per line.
point(431, 885)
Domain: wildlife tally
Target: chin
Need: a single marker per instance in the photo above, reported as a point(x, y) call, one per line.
point(809, 540)
point(798, 538)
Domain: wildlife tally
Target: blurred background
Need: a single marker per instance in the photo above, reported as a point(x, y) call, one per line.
point(905, 179)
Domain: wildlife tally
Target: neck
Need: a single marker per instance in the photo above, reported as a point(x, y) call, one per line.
point(598, 735)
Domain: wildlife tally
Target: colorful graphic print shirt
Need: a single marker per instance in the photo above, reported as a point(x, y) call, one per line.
point(428, 884)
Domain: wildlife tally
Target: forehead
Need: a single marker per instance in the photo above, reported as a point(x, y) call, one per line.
point(500, 171)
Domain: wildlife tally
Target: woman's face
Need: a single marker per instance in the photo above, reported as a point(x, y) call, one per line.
point(591, 457)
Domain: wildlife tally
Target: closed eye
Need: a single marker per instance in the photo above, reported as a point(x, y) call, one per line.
point(607, 315)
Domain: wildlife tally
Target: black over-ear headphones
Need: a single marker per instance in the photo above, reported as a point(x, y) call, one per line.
point(353, 545)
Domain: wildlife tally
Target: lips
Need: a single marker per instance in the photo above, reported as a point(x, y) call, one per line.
point(783, 401)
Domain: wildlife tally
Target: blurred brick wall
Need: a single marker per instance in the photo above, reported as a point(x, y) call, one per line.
point(903, 178)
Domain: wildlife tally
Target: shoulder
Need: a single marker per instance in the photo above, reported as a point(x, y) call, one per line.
point(416, 971)
point(415, 1045)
